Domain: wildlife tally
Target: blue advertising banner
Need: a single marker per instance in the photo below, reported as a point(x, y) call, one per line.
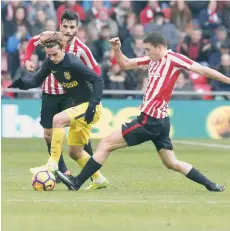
point(190, 119)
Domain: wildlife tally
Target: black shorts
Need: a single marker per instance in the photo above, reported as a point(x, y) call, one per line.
point(145, 128)
point(51, 105)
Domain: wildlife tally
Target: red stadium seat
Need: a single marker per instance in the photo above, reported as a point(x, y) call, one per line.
point(204, 88)
point(197, 78)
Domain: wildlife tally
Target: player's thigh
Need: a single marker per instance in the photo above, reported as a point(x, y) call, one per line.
point(49, 109)
point(162, 140)
point(134, 133)
point(77, 115)
point(113, 141)
point(79, 136)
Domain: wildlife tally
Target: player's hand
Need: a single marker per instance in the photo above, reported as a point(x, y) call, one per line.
point(89, 114)
point(16, 84)
point(115, 43)
point(29, 66)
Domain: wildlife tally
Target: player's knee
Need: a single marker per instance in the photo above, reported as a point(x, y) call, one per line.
point(172, 165)
point(58, 121)
point(76, 152)
point(106, 144)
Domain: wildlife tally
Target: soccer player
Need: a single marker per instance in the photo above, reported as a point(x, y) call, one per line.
point(85, 87)
point(54, 97)
point(164, 67)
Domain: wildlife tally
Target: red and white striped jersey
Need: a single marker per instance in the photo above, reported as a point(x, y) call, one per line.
point(162, 76)
point(51, 85)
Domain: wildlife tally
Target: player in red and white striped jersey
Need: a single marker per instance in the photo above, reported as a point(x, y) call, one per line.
point(164, 67)
point(54, 98)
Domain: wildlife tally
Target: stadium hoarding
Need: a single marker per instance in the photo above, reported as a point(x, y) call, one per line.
point(190, 119)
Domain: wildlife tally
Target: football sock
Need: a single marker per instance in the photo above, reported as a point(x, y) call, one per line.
point(57, 143)
point(61, 164)
point(90, 168)
point(198, 177)
point(88, 149)
point(97, 176)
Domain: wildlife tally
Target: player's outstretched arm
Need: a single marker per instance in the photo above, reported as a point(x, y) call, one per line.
point(209, 72)
point(34, 81)
point(124, 62)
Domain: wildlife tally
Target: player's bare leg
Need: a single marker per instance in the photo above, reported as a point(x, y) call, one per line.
point(81, 157)
point(112, 142)
point(170, 161)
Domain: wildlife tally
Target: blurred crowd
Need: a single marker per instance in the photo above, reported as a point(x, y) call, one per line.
point(197, 29)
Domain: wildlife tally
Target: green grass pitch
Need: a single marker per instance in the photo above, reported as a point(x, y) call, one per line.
point(143, 195)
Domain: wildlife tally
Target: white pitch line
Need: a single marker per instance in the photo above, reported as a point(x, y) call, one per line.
point(122, 201)
point(194, 143)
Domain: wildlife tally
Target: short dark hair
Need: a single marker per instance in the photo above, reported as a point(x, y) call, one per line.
point(156, 39)
point(70, 16)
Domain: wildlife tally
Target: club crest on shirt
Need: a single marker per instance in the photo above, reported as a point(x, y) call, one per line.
point(67, 75)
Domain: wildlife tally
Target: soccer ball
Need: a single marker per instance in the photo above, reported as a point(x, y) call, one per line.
point(43, 181)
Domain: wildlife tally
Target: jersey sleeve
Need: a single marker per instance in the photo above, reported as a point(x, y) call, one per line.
point(87, 58)
point(181, 61)
point(32, 44)
point(143, 61)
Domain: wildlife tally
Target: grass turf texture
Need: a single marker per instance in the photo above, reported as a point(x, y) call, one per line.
point(143, 195)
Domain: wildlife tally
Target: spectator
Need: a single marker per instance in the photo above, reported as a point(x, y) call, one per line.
point(195, 47)
point(70, 5)
point(126, 27)
point(92, 12)
point(50, 25)
point(220, 37)
point(167, 29)
point(103, 19)
point(82, 35)
point(116, 77)
point(223, 68)
point(196, 7)
point(226, 16)
point(209, 18)
point(184, 84)
point(181, 17)
point(102, 44)
point(19, 18)
point(147, 14)
point(214, 58)
point(14, 41)
point(136, 48)
point(121, 11)
point(136, 32)
point(40, 23)
point(13, 45)
point(46, 6)
point(93, 7)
